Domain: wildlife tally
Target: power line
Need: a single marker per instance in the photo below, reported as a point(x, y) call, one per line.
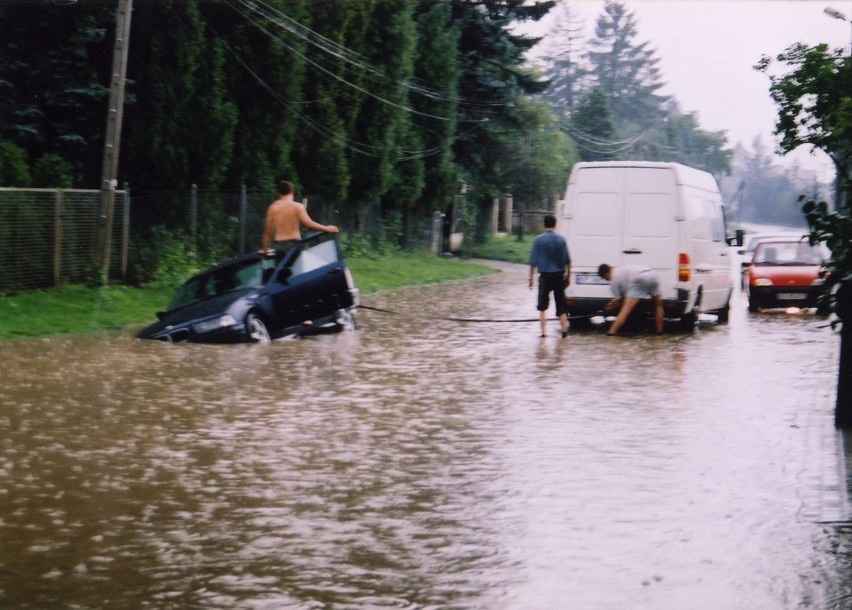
point(337, 53)
point(356, 147)
point(598, 145)
point(341, 52)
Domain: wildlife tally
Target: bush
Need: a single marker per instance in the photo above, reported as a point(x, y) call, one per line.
point(14, 167)
point(164, 259)
point(52, 171)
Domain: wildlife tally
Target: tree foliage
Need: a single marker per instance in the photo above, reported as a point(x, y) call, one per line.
point(52, 92)
point(593, 128)
point(379, 107)
point(562, 58)
point(815, 109)
point(814, 102)
point(626, 70)
point(607, 89)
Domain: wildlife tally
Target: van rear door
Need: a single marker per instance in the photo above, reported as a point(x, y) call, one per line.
point(622, 216)
point(651, 223)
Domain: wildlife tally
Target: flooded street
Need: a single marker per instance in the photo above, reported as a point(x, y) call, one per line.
point(420, 462)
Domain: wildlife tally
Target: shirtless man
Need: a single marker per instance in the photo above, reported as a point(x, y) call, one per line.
point(283, 218)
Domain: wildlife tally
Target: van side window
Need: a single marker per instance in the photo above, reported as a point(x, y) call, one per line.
point(698, 210)
point(717, 222)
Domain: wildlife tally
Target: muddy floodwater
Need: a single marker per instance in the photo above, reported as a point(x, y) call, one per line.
point(422, 462)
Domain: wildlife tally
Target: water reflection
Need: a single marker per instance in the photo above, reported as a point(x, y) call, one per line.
point(423, 463)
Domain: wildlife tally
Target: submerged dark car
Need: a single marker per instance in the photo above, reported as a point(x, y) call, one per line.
point(254, 299)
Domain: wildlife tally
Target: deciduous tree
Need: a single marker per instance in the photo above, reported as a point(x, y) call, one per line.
point(815, 109)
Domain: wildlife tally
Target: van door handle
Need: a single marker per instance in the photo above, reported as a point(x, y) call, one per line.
point(632, 251)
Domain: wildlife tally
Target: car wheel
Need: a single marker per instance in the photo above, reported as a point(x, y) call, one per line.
point(256, 329)
point(724, 313)
point(345, 319)
point(753, 305)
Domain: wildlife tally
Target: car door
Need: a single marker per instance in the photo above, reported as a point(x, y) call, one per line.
point(311, 282)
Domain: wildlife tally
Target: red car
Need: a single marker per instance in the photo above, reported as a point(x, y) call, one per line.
point(786, 272)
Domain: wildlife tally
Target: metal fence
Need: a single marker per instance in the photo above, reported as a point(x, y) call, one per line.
point(234, 219)
point(47, 236)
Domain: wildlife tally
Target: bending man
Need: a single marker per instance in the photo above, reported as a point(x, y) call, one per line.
point(629, 284)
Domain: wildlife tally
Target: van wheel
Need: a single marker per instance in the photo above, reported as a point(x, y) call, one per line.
point(725, 312)
point(689, 320)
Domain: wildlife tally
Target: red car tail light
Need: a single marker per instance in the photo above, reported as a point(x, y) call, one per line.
point(683, 272)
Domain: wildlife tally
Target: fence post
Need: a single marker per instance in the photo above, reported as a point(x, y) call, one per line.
point(193, 219)
point(125, 232)
point(437, 233)
point(57, 237)
point(243, 213)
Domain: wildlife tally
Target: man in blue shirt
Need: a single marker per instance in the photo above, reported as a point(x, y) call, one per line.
point(550, 256)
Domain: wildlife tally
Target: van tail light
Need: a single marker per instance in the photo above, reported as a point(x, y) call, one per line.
point(683, 272)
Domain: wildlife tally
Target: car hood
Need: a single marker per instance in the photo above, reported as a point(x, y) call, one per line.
point(218, 305)
point(790, 275)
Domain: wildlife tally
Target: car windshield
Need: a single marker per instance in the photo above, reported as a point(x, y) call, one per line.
point(756, 239)
point(239, 274)
point(316, 255)
point(787, 253)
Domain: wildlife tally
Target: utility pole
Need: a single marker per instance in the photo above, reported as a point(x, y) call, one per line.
point(112, 137)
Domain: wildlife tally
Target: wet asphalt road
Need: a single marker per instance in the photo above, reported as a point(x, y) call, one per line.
point(420, 462)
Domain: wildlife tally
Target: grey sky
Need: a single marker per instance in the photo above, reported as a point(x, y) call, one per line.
point(708, 48)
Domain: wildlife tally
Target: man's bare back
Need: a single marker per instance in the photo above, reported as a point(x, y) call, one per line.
point(283, 218)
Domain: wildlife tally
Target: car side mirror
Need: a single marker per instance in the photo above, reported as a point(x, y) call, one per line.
point(161, 314)
point(737, 240)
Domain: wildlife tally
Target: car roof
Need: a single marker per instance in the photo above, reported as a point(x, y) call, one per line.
point(231, 261)
point(781, 240)
point(758, 237)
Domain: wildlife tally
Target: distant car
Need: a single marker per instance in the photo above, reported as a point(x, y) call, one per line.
point(746, 253)
point(786, 272)
point(253, 299)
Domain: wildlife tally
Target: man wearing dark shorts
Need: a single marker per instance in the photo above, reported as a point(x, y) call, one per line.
point(550, 256)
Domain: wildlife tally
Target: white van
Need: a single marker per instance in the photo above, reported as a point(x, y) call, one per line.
point(666, 216)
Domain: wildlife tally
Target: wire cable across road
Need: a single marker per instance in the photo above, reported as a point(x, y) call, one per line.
point(482, 320)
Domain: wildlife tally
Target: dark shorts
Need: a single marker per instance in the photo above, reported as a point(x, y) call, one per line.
point(555, 283)
point(283, 246)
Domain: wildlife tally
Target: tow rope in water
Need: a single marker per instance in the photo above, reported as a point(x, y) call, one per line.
point(486, 320)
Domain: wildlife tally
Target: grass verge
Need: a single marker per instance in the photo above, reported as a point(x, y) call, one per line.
point(79, 309)
point(506, 248)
